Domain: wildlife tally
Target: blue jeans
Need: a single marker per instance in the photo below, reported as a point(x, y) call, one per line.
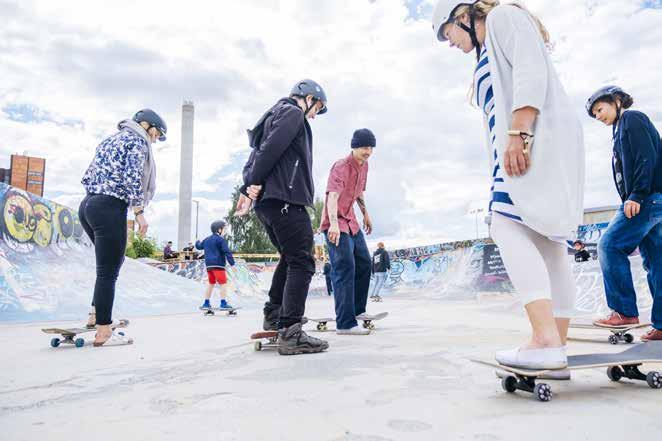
point(619, 241)
point(378, 283)
point(350, 272)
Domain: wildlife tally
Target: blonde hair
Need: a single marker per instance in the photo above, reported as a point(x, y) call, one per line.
point(480, 11)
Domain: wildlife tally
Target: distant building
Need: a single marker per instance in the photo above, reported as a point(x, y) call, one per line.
point(25, 172)
point(600, 215)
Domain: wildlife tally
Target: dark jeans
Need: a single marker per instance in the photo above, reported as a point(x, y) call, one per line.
point(104, 220)
point(619, 241)
point(350, 272)
point(329, 285)
point(291, 232)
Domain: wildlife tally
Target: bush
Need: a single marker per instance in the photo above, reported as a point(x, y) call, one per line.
point(141, 247)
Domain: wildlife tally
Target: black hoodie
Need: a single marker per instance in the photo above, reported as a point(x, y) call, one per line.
point(282, 156)
point(381, 262)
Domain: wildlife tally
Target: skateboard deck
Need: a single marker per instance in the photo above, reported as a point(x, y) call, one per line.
point(619, 365)
point(367, 320)
point(618, 333)
point(213, 310)
point(265, 340)
point(69, 334)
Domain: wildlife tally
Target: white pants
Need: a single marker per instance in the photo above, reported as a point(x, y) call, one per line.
point(377, 284)
point(538, 267)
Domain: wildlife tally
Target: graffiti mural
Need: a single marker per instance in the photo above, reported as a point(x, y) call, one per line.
point(47, 267)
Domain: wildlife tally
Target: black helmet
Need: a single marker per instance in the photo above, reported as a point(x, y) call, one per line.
point(153, 119)
point(309, 87)
point(601, 93)
point(217, 225)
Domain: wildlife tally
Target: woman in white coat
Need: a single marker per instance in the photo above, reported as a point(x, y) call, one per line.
point(536, 152)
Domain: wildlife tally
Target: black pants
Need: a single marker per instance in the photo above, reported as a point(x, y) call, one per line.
point(329, 286)
point(291, 233)
point(104, 220)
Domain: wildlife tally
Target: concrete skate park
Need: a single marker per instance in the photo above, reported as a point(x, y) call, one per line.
point(193, 376)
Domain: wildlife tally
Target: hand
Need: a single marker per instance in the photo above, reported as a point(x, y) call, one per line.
point(631, 209)
point(254, 191)
point(515, 161)
point(244, 205)
point(334, 234)
point(367, 224)
point(142, 225)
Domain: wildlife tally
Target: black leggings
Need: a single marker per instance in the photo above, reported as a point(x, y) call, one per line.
point(104, 220)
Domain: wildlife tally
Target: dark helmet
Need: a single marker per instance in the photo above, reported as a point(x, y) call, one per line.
point(309, 87)
point(578, 242)
point(153, 119)
point(217, 225)
point(602, 92)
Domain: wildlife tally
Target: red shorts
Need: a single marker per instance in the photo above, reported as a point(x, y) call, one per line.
point(217, 275)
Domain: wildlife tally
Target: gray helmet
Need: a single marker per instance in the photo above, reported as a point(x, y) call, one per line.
point(217, 225)
point(153, 119)
point(602, 92)
point(309, 87)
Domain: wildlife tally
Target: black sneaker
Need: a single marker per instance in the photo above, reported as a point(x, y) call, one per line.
point(271, 320)
point(293, 341)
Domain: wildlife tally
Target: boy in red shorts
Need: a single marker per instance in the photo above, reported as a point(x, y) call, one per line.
point(217, 254)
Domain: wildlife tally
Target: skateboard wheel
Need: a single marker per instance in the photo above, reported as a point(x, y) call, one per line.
point(79, 342)
point(614, 373)
point(323, 328)
point(654, 380)
point(509, 384)
point(320, 327)
point(542, 392)
point(258, 346)
point(629, 338)
point(55, 342)
point(613, 339)
point(366, 325)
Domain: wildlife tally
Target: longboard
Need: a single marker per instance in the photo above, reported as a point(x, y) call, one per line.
point(367, 320)
point(265, 340)
point(623, 364)
point(618, 333)
point(212, 310)
point(69, 334)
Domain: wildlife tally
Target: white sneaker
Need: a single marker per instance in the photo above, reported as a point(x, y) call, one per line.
point(356, 330)
point(545, 358)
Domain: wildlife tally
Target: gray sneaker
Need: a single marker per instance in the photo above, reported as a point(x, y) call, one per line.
point(356, 330)
point(294, 341)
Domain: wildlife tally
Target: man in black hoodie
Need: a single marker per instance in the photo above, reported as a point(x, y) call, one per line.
point(278, 177)
point(381, 264)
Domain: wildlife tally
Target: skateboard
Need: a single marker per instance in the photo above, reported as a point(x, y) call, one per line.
point(367, 320)
point(376, 299)
point(619, 333)
point(69, 334)
point(623, 364)
point(211, 310)
point(265, 340)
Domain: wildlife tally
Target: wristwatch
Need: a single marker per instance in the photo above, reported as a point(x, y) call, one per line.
point(526, 137)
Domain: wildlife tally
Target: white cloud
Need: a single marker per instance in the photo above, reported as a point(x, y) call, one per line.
point(383, 70)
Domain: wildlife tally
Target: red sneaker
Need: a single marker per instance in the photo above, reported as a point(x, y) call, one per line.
point(653, 334)
point(616, 320)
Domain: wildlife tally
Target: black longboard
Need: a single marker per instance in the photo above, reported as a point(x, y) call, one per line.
point(367, 320)
point(618, 333)
point(69, 334)
point(212, 310)
point(619, 365)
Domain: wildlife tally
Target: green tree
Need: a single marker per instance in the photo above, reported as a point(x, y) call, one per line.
point(316, 213)
point(140, 247)
point(247, 235)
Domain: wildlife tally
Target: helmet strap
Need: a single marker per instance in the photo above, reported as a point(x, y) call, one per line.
point(471, 30)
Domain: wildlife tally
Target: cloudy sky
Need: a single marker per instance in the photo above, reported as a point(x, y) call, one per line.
point(70, 70)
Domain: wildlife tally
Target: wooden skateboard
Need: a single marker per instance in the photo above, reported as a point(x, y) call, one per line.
point(623, 364)
point(265, 340)
point(212, 310)
point(367, 320)
point(69, 334)
point(619, 333)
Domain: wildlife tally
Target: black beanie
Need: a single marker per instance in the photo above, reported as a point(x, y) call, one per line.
point(363, 138)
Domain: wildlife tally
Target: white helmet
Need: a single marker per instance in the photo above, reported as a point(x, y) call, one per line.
point(443, 14)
